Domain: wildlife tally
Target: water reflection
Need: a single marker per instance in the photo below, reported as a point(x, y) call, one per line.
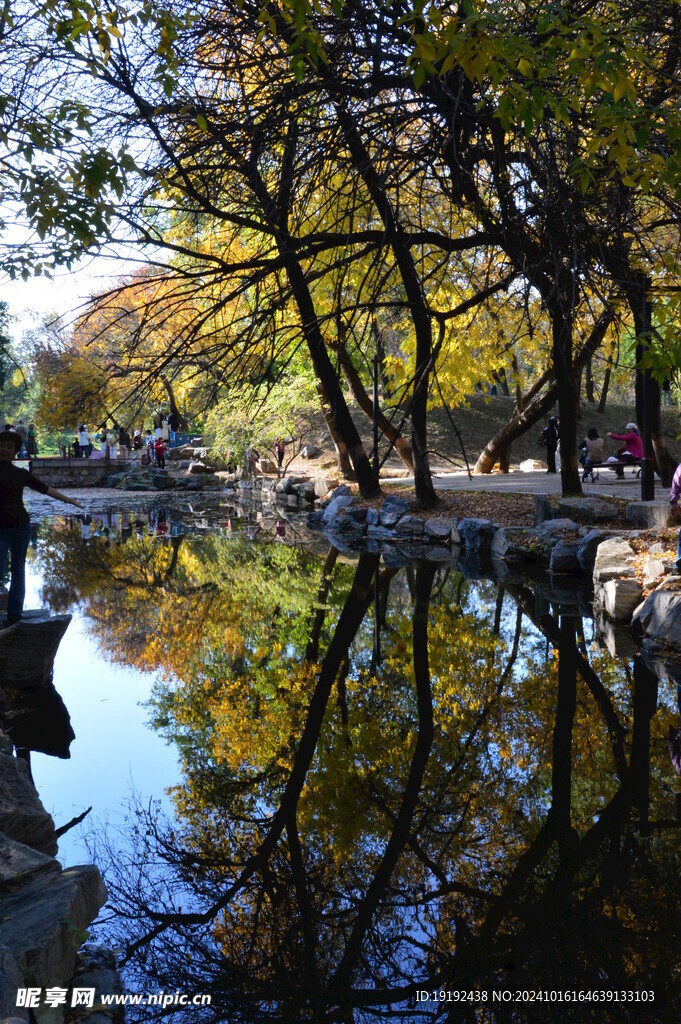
point(393, 780)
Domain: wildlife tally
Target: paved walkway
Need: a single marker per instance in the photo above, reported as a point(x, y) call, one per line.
point(538, 482)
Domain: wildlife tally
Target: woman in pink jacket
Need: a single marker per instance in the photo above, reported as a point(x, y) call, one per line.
point(631, 450)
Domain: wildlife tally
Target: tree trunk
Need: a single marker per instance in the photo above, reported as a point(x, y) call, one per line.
point(365, 403)
point(533, 410)
point(589, 382)
point(342, 422)
point(648, 395)
point(342, 454)
point(172, 404)
point(420, 314)
point(568, 397)
point(606, 385)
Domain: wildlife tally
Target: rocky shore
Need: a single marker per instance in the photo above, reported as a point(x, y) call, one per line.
point(45, 909)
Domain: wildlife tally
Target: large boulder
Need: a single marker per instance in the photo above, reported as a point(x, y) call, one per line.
point(477, 535)
point(392, 510)
point(649, 515)
point(19, 862)
point(22, 816)
point(658, 619)
point(10, 981)
point(438, 531)
point(28, 648)
point(587, 548)
point(42, 925)
point(564, 559)
point(586, 510)
point(199, 467)
point(335, 506)
point(618, 598)
point(614, 560)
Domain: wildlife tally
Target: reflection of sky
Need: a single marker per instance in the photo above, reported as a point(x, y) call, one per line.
point(113, 752)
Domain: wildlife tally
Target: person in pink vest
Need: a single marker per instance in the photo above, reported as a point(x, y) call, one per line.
point(632, 449)
point(674, 494)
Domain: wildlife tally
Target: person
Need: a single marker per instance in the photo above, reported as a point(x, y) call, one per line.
point(174, 421)
point(165, 430)
point(632, 449)
point(160, 452)
point(84, 442)
point(158, 425)
point(123, 443)
point(31, 442)
point(550, 437)
point(22, 432)
point(592, 447)
point(15, 524)
point(666, 391)
point(111, 441)
point(137, 442)
point(149, 446)
point(279, 451)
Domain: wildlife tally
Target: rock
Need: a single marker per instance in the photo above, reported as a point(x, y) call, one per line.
point(619, 598)
point(373, 517)
point(411, 525)
point(18, 862)
point(556, 526)
point(532, 466)
point(658, 619)
point(338, 503)
point(195, 485)
point(96, 968)
point(653, 571)
point(477, 535)
point(614, 560)
point(42, 926)
point(22, 816)
point(266, 466)
point(309, 452)
point(181, 452)
point(616, 636)
point(438, 530)
point(436, 553)
point(293, 482)
point(28, 649)
point(196, 468)
point(543, 508)
point(306, 491)
point(392, 510)
point(10, 981)
point(586, 510)
point(161, 482)
point(322, 486)
point(649, 515)
point(455, 536)
point(346, 524)
point(564, 559)
point(587, 548)
point(341, 491)
point(381, 533)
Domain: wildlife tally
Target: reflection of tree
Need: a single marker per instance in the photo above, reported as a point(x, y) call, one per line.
point(465, 814)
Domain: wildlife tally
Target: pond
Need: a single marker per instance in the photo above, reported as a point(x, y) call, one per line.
point(327, 788)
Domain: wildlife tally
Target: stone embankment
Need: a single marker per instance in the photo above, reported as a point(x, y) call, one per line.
point(634, 584)
point(45, 909)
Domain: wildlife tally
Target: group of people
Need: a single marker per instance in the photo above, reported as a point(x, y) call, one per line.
point(29, 446)
point(592, 448)
point(113, 438)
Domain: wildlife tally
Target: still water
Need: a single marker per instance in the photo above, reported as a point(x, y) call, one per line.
point(324, 786)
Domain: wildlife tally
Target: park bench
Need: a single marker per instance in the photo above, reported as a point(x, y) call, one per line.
point(593, 468)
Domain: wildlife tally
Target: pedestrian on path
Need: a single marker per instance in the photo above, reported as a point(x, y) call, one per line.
point(550, 437)
point(15, 524)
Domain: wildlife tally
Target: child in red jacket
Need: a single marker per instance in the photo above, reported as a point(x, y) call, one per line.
point(160, 452)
